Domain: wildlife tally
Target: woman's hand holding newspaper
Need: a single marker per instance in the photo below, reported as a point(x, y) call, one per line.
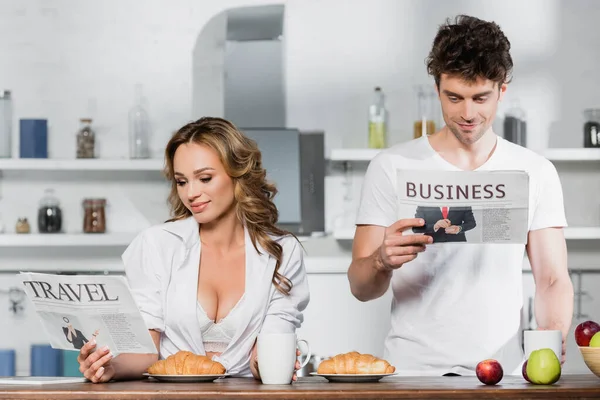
point(94, 363)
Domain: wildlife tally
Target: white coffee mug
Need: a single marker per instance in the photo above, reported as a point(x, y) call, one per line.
point(542, 339)
point(276, 353)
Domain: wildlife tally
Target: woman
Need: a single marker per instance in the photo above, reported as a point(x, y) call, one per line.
point(219, 271)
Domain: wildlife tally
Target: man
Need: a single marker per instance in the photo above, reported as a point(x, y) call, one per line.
point(456, 304)
point(445, 224)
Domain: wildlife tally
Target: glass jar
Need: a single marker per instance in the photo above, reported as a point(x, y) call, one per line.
point(515, 124)
point(49, 213)
point(22, 226)
point(591, 128)
point(94, 219)
point(86, 139)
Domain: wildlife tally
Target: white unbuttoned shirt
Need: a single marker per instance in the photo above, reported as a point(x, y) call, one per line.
point(162, 265)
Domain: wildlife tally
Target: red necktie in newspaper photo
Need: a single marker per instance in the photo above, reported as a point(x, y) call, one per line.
point(444, 212)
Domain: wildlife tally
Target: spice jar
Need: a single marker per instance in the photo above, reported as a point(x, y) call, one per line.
point(94, 219)
point(86, 139)
point(22, 226)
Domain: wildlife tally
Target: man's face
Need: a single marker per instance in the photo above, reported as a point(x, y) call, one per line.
point(469, 108)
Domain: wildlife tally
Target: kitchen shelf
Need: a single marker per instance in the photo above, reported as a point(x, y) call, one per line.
point(353, 154)
point(65, 239)
point(582, 233)
point(574, 233)
point(344, 234)
point(117, 164)
point(574, 154)
point(557, 154)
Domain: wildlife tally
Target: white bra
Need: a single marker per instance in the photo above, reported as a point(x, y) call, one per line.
point(216, 336)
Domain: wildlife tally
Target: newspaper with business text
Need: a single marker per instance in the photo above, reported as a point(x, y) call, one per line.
point(74, 309)
point(466, 206)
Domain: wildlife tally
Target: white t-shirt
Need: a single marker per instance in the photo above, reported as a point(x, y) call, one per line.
point(457, 304)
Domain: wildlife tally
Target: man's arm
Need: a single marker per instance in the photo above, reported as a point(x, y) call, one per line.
point(377, 251)
point(368, 279)
point(547, 251)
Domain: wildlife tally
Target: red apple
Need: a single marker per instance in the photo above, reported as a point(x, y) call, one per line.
point(585, 331)
point(524, 371)
point(489, 372)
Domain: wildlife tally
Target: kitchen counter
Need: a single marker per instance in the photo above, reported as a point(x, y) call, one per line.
point(511, 387)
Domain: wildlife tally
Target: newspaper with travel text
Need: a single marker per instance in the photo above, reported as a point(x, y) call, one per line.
point(75, 308)
point(466, 206)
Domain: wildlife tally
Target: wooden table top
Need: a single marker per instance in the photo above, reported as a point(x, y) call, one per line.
point(511, 387)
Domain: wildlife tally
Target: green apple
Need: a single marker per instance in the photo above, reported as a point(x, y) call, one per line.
point(595, 340)
point(543, 367)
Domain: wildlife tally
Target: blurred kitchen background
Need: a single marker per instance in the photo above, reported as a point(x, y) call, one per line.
point(94, 89)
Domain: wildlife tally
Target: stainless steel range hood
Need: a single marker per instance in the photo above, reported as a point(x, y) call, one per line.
point(246, 45)
point(254, 82)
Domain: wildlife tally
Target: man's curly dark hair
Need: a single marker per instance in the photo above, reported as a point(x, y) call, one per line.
point(470, 48)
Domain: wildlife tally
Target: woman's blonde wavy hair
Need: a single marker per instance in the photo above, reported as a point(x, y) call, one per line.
point(253, 194)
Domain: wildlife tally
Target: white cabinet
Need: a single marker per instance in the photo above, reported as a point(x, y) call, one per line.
point(335, 322)
point(587, 309)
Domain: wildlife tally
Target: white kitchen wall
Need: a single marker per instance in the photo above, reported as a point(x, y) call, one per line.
point(66, 59)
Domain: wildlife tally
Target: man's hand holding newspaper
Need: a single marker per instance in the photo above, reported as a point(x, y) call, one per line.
point(397, 248)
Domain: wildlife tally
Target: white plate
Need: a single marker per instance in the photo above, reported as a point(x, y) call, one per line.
point(185, 378)
point(352, 377)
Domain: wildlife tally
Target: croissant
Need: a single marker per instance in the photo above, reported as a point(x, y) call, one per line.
point(355, 363)
point(186, 363)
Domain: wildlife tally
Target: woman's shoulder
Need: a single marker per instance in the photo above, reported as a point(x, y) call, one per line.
point(288, 242)
point(156, 246)
point(286, 238)
point(179, 231)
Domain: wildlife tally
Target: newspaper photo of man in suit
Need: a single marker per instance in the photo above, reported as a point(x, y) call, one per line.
point(445, 224)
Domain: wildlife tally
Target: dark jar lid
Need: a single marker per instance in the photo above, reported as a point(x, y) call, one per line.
point(94, 202)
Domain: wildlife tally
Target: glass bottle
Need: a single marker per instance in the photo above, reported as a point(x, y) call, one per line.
point(86, 139)
point(5, 124)
point(49, 213)
point(139, 127)
point(424, 123)
point(515, 124)
point(591, 128)
point(378, 121)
